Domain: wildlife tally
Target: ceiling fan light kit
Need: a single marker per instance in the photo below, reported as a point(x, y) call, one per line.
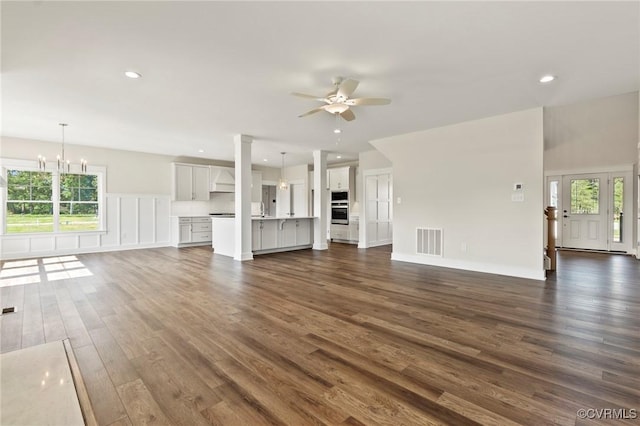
point(338, 101)
point(337, 108)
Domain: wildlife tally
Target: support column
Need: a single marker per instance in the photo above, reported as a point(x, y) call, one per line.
point(243, 198)
point(320, 200)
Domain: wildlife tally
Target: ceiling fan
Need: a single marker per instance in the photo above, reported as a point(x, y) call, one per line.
point(338, 101)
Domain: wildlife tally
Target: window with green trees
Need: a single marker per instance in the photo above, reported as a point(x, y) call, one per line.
point(78, 202)
point(618, 209)
point(29, 201)
point(585, 196)
point(38, 202)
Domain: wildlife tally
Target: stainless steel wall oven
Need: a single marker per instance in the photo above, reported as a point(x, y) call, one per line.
point(340, 207)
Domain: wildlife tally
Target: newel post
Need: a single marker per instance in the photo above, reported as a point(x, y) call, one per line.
point(551, 213)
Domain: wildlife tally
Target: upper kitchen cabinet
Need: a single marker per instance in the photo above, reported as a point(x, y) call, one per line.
point(341, 178)
point(190, 182)
point(223, 179)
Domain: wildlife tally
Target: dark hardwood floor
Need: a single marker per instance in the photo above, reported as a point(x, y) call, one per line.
point(344, 336)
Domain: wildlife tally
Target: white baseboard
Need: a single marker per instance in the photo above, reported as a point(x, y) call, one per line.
point(375, 244)
point(507, 270)
point(243, 256)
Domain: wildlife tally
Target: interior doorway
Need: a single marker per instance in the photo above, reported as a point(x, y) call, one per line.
point(376, 220)
point(269, 200)
point(594, 210)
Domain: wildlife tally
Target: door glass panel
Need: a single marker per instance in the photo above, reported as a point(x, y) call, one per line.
point(618, 209)
point(553, 193)
point(585, 196)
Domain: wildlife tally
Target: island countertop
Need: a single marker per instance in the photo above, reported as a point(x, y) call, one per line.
point(281, 217)
point(267, 217)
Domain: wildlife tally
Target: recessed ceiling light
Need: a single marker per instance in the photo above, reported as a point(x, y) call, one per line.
point(201, 150)
point(132, 74)
point(547, 79)
point(337, 131)
point(339, 157)
point(265, 160)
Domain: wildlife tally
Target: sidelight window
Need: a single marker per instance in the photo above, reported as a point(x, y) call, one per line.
point(618, 209)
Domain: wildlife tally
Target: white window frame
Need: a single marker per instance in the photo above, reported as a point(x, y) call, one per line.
point(32, 166)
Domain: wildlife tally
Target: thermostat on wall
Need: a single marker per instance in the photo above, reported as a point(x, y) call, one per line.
point(517, 187)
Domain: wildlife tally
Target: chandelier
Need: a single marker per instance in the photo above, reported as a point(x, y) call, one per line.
point(63, 165)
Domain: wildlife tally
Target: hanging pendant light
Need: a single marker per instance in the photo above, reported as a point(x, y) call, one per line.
point(282, 183)
point(63, 165)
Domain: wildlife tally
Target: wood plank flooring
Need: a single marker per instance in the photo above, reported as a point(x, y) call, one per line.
point(344, 336)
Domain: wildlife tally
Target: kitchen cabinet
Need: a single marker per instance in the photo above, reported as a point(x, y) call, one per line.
point(280, 234)
point(339, 232)
point(354, 229)
point(264, 234)
point(190, 231)
point(346, 233)
point(288, 233)
point(303, 231)
point(342, 179)
point(184, 236)
point(190, 182)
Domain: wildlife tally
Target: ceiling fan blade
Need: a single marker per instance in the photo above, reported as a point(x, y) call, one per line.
point(313, 111)
point(368, 101)
point(347, 88)
point(348, 115)
point(304, 95)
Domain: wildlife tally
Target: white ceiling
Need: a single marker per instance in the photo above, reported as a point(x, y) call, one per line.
point(215, 69)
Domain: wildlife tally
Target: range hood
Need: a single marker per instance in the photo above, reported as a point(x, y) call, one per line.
point(222, 179)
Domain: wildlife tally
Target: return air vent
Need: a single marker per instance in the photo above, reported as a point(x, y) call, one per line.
point(429, 241)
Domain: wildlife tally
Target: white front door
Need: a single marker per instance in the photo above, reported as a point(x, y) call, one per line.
point(585, 200)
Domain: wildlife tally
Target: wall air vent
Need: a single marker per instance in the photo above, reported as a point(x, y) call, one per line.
point(429, 241)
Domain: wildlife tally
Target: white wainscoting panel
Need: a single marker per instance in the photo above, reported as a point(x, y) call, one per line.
point(129, 221)
point(11, 247)
point(132, 221)
point(112, 210)
point(163, 221)
point(146, 209)
point(89, 241)
point(66, 242)
point(42, 244)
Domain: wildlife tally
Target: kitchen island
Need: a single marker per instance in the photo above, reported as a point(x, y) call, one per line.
point(268, 234)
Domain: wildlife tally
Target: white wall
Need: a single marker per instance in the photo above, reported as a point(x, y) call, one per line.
point(137, 172)
point(370, 160)
point(596, 133)
point(270, 174)
point(460, 178)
